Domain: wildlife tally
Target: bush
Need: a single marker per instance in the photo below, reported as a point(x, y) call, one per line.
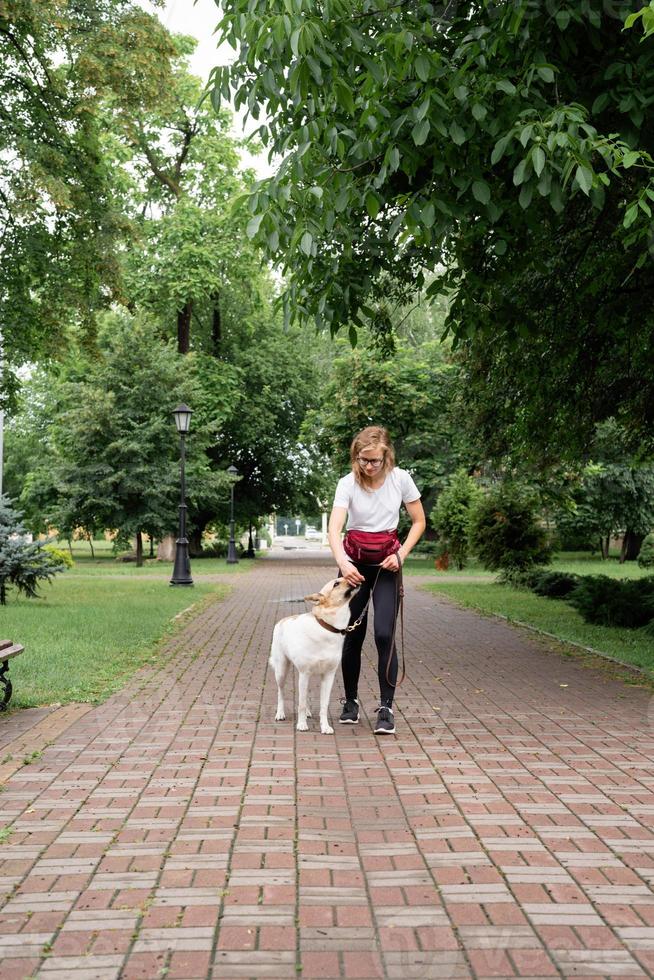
point(217, 549)
point(606, 601)
point(505, 532)
point(24, 564)
point(59, 556)
point(451, 516)
point(646, 554)
point(554, 585)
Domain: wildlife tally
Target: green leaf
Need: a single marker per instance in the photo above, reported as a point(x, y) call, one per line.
point(584, 178)
point(306, 243)
point(562, 19)
point(316, 191)
point(420, 132)
point(500, 246)
point(423, 109)
point(630, 215)
point(253, 225)
point(526, 194)
point(353, 336)
point(546, 73)
point(344, 95)
point(428, 215)
point(461, 93)
point(457, 134)
point(538, 160)
point(600, 103)
point(481, 191)
point(479, 111)
point(630, 158)
point(520, 172)
point(422, 66)
point(373, 204)
point(504, 85)
point(499, 149)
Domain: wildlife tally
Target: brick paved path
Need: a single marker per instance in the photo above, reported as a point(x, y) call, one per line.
point(178, 831)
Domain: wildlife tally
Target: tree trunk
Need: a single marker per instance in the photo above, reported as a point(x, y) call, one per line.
point(139, 549)
point(604, 547)
point(184, 328)
point(195, 542)
point(216, 327)
point(151, 547)
point(631, 543)
point(91, 547)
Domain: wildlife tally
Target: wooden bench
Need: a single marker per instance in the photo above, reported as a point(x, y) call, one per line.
point(7, 651)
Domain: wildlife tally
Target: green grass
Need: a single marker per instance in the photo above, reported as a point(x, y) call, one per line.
point(89, 633)
point(578, 562)
point(553, 616)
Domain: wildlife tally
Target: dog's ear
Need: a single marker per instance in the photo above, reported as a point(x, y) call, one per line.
point(314, 597)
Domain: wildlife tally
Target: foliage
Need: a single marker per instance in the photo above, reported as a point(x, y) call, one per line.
point(452, 514)
point(412, 393)
point(614, 495)
point(646, 556)
point(505, 532)
point(58, 222)
point(554, 585)
point(23, 564)
point(506, 143)
point(60, 556)
point(115, 462)
point(604, 601)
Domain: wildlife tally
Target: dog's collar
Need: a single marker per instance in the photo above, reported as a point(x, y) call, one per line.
point(328, 626)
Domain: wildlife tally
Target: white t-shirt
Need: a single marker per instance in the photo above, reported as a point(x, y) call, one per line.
point(375, 510)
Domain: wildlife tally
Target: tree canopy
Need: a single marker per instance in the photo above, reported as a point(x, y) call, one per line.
point(505, 146)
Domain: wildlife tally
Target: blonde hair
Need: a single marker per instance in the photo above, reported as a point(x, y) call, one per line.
point(372, 437)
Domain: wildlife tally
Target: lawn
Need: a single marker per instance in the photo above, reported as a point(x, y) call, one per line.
point(90, 631)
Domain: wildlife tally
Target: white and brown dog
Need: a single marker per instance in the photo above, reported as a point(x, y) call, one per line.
point(313, 642)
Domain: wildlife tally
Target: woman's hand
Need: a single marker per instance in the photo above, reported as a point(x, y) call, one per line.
point(351, 573)
point(392, 563)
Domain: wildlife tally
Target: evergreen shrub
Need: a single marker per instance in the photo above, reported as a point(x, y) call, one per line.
point(506, 534)
point(646, 553)
point(606, 601)
point(554, 585)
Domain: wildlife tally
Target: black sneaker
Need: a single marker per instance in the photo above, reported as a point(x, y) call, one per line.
point(385, 721)
point(350, 712)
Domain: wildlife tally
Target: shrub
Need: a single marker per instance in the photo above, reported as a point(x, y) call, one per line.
point(59, 556)
point(646, 554)
point(554, 585)
point(452, 514)
point(23, 564)
point(217, 549)
point(505, 532)
point(606, 601)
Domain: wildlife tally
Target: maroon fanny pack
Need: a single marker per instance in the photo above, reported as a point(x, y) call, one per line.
point(370, 547)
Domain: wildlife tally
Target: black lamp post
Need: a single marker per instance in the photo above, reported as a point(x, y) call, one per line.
point(182, 569)
point(231, 549)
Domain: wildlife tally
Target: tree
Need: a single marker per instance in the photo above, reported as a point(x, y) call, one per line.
point(413, 393)
point(506, 533)
point(58, 221)
point(453, 513)
point(501, 142)
point(115, 449)
point(23, 564)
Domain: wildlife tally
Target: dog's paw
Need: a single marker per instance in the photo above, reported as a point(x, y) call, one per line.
point(302, 726)
point(327, 730)
point(309, 715)
point(280, 716)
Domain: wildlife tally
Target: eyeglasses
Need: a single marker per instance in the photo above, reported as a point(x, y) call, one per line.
point(369, 462)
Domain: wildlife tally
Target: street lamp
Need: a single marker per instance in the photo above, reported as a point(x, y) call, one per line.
point(182, 568)
point(231, 549)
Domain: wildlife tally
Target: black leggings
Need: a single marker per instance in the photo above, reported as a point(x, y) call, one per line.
point(385, 602)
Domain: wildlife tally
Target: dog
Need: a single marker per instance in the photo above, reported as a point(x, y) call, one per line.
point(313, 643)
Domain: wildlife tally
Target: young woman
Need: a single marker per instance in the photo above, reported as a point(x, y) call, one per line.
point(371, 555)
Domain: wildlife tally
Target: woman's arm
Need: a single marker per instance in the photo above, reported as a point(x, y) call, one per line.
point(348, 570)
point(418, 524)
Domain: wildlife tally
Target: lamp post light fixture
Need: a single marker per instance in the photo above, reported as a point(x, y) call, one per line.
point(182, 568)
point(231, 548)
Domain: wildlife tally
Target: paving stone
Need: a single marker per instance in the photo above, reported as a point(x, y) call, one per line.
point(177, 828)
